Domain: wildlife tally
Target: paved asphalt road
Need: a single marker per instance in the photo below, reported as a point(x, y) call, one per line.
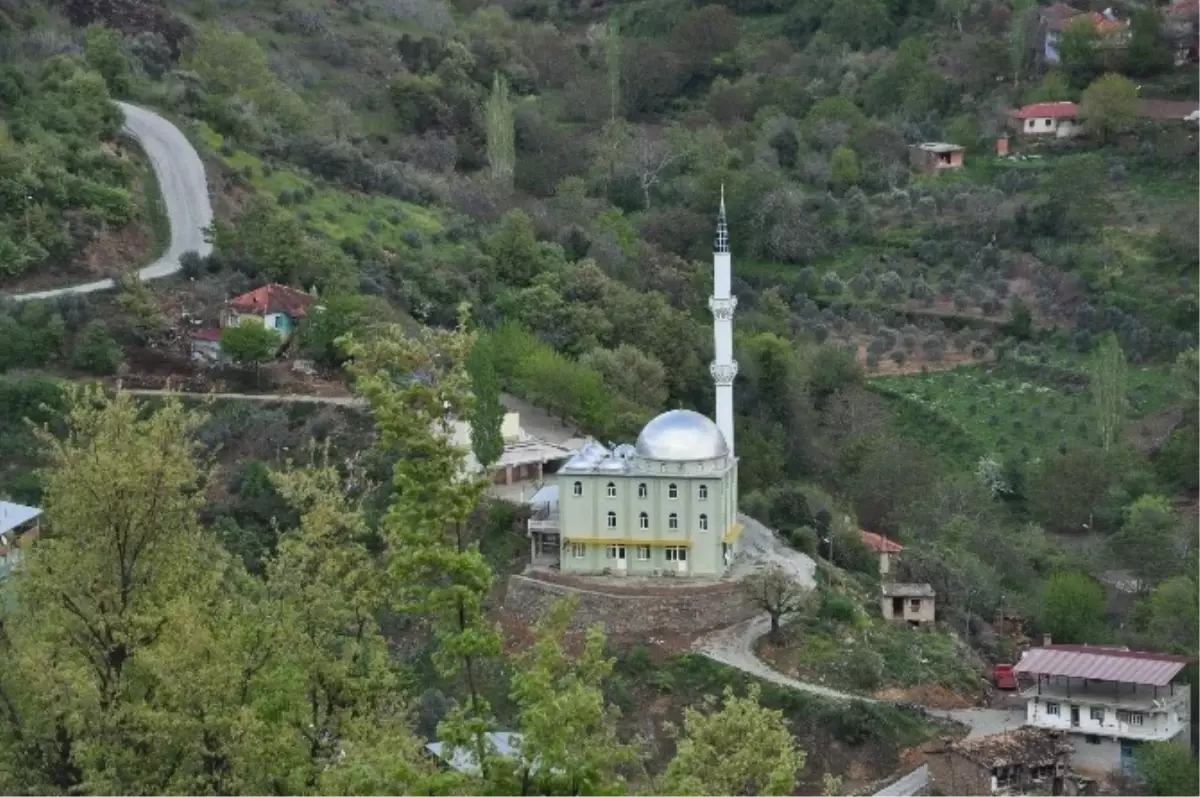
point(184, 189)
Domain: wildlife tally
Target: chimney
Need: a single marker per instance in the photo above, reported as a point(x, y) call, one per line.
point(1045, 640)
point(1002, 147)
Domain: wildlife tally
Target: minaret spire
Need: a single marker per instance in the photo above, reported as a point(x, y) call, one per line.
point(722, 303)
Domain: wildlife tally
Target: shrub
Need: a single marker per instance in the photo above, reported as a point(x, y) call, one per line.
point(191, 264)
point(804, 540)
point(837, 608)
point(97, 352)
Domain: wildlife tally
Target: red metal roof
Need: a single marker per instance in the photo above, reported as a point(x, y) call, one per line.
point(880, 543)
point(207, 334)
point(1102, 664)
point(1048, 110)
point(273, 298)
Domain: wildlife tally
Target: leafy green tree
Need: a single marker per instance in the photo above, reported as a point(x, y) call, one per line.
point(1173, 615)
point(1109, 105)
point(630, 372)
point(335, 316)
point(515, 248)
point(1150, 541)
point(1109, 383)
point(1167, 768)
point(612, 65)
point(1021, 26)
point(96, 351)
point(862, 25)
point(1069, 489)
point(739, 748)
point(1147, 53)
point(843, 166)
point(249, 343)
point(502, 156)
point(569, 731)
point(1073, 609)
point(103, 51)
point(1053, 88)
point(435, 571)
point(1078, 51)
point(487, 416)
point(776, 593)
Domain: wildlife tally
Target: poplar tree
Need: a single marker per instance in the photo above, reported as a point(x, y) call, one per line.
point(416, 387)
point(487, 418)
point(612, 61)
point(1109, 377)
point(501, 133)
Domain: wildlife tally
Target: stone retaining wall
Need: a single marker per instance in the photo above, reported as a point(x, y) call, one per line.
point(685, 612)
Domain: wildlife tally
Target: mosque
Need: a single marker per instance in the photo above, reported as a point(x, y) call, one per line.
point(666, 505)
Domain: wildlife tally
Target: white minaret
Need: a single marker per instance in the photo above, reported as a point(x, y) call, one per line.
point(724, 368)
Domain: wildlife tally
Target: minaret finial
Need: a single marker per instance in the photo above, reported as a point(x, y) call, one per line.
point(722, 243)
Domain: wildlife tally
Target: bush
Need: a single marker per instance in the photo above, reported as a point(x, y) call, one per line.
point(804, 540)
point(97, 352)
point(837, 608)
point(191, 265)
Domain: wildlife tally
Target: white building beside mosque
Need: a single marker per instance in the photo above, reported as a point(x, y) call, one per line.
point(666, 505)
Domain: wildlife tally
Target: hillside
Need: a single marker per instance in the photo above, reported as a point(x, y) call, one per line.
point(995, 365)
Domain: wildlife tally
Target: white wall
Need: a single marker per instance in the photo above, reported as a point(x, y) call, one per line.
point(1157, 725)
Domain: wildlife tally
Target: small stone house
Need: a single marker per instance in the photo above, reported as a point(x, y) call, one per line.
point(888, 550)
point(936, 156)
point(908, 603)
point(1041, 119)
point(1021, 761)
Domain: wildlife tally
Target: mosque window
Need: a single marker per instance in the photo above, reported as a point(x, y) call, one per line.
point(643, 521)
point(578, 551)
point(704, 522)
point(612, 490)
point(577, 490)
point(673, 521)
point(672, 491)
point(643, 553)
point(704, 492)
point(642, 490)
point(612, 520)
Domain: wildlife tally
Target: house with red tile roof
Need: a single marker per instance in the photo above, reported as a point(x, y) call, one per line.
point(1053, 20)
point(1058, 119)
point(277, 307)
point(885, 548)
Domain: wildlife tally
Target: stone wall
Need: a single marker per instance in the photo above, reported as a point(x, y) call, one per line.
point(679, 610)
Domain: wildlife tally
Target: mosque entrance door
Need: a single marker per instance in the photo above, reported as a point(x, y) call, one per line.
point(622, 562)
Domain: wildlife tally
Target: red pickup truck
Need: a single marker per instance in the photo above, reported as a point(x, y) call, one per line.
point(1003, 677)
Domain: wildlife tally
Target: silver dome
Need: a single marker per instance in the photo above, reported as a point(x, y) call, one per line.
point(681, 436)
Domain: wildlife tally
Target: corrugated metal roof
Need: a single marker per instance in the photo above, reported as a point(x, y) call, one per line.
point(1102, 664)
point(13, 515)
point(880, 543)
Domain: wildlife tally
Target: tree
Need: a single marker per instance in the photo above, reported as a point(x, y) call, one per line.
point(1068, 488)
point(630, 372)
point(1173, 615)
point(843, 165)
point(776, 593)
point(569, 739)
point(338, 315)
point(739, 748)
point(1149, 542)
point(1109, 380)
point(249, 343)
point(1167, 768)
point(1109, 105)
point(1020, 27)
point(487, 416)
point(501, 132)
point(103, 51)
point(612, 64)
point(1073, 609)
point(861, 25)
point(96, 352)
point(1078, 51)
point(435, 571)
point(1147, 53)
point(514, 245)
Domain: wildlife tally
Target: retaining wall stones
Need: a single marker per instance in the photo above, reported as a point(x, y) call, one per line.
point(678, 610)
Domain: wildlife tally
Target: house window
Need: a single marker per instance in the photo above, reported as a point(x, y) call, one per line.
point(673, 521)
point(1052, 709)
point(612, 490)
point(643, 553)
point(914, 605)
point(577, 489)
point(642, 491)
point(1097, 714)
point(704, 522)
point(672, 491)
point(1047, 123)
point(643, 521)
point(704, 492)
point(1136, 718)
point(277, 322)
point(1093, 739)
point(612, 520)
point(578, 551)
point(676, 554)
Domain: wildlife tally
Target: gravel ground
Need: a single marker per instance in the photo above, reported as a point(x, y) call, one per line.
point(759, 548)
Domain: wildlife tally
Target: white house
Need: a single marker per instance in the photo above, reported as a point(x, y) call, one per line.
point(525, 457)
point(1108, 700)
point(1058, 119)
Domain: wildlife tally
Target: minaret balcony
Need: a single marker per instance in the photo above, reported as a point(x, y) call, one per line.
point(723, 373)
point(722, 308)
